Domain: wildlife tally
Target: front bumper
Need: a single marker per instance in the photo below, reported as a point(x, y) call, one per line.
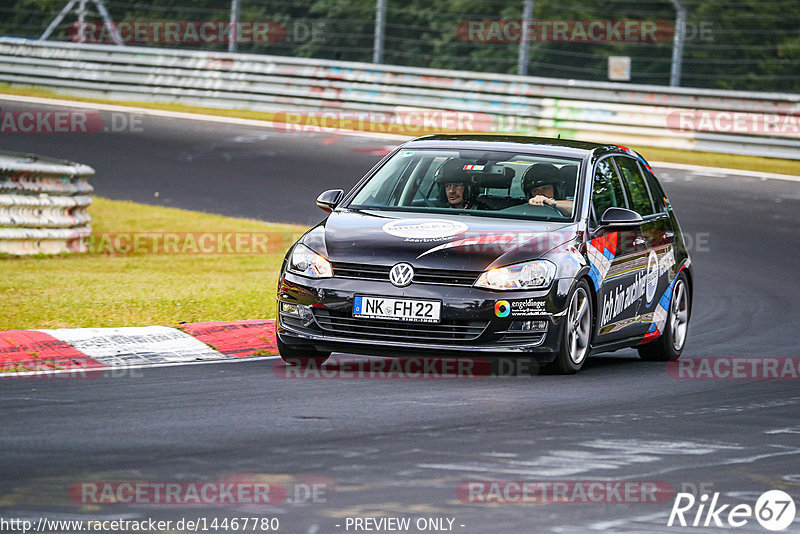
point(469, 323)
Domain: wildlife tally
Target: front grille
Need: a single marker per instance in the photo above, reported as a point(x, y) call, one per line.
point(440, 276)
point(365, 272)
point(523, 339)
point(447, 331)
point(421, 275)
point(295, 323)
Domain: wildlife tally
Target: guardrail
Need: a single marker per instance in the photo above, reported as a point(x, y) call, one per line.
point(43, 205)
point(605, 112)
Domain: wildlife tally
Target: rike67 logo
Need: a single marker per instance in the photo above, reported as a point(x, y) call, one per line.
point(774, 510)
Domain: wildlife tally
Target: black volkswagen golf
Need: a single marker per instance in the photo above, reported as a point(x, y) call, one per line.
point(491, 245)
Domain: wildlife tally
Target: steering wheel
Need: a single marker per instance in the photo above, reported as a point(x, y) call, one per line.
point(551, 208)
point(429, 203)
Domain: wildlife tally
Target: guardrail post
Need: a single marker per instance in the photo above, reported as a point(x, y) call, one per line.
point(232, 37)
point(81, 19)
point(524, 38)
point(380, 23)
point(677, 43)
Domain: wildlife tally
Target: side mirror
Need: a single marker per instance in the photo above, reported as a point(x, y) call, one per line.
point(620, 217)
point(329, 199)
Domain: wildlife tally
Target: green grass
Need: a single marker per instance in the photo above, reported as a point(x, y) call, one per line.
point(107, 290)
point(710, 159)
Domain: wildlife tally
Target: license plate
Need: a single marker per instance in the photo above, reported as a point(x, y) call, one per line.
point(424, 311)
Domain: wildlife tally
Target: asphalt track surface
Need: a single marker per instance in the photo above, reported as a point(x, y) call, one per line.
point(401, 447)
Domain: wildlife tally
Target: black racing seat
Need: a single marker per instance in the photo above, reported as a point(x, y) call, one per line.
point(497, 180)
point(570, 175)
point(495, 203)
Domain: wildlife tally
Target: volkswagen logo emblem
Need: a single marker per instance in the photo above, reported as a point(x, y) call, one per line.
point(401, 274)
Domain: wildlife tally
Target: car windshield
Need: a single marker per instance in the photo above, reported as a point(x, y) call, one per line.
point(474, 182)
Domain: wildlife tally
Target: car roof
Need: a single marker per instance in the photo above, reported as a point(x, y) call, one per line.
point(522, 143)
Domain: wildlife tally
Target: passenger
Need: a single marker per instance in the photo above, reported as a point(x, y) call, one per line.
point(544, 185)
point(454, 188)
point(454, 192)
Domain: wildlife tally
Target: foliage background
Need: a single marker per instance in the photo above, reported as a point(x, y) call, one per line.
point(751, 44)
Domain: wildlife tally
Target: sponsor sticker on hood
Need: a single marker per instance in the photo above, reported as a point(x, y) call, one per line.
point(424, 229)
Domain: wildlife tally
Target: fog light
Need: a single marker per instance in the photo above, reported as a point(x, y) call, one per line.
point(298, 310)
point(529, 326)
point(290, 309)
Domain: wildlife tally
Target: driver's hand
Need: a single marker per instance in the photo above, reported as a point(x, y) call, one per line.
point(539, 200)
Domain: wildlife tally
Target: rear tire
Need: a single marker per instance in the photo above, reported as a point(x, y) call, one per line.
point(301, 356)
point(669, 345)
point(577, 334)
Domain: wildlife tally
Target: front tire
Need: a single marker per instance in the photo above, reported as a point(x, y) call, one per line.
point(669, 345)
point(301, 356)
point(577, 335)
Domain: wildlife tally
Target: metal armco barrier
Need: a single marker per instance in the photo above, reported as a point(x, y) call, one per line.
point(605, 112)
point(43, 205)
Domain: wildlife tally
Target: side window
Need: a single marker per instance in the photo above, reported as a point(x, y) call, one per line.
point(426, 187)
point(380, 192)
point(607, 190)
point(656, 191)
point(638, 192)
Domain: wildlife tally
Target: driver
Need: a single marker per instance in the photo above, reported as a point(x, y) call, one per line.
point(544, 185)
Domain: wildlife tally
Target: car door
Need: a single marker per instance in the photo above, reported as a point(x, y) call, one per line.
point(658, 259)
point(615, 256)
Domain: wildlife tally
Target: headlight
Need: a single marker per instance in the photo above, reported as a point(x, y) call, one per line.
point(305, 261)
point(537, 274)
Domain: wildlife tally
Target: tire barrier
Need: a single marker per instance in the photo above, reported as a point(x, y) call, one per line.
point(736, 122)
point(43, 205)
